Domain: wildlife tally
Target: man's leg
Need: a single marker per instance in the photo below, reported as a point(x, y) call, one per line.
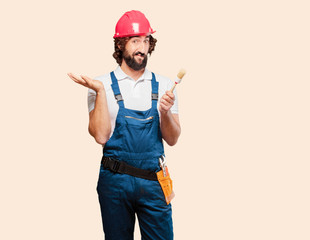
point(118, 217)
point(154, 215)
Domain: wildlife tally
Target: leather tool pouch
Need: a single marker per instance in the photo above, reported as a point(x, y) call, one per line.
point(166, 185)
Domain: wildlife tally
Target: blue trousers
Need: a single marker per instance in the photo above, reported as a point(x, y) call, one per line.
point(121, 196)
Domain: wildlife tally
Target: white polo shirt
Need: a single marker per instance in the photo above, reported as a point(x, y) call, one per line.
point(136, 94)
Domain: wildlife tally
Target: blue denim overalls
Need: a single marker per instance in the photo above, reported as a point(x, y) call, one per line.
point(136, 140)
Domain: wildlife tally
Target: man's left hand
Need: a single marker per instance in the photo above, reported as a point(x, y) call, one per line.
point(166, 102)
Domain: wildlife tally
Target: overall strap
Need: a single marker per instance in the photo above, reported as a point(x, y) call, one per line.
point(154, 91)
point(117, 92)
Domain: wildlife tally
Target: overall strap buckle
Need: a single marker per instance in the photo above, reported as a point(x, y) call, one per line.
point(154, 96)
point(116, 90)
point(118, 97)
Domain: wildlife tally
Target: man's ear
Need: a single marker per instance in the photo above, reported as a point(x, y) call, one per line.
point(120, 47)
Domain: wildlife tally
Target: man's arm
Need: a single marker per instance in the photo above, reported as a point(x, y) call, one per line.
point(169, 123)
point(99, 118)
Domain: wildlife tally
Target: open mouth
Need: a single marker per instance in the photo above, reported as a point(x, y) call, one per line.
point(139, 58)
point(142, 55)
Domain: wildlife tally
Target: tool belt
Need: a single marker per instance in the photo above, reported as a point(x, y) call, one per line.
point(122, 167)
point(162, 176)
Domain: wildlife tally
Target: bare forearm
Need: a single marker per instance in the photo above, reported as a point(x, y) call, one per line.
point(170, 127)
point(99, 119)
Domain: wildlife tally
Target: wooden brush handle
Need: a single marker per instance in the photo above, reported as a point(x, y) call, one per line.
point(173, 87)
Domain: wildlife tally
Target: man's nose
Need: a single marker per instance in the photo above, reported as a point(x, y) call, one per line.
point(142, 47)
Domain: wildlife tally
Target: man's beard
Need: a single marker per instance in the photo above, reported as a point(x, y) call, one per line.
point(132, 63)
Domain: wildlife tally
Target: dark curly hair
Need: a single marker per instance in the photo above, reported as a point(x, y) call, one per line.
point(119, 47)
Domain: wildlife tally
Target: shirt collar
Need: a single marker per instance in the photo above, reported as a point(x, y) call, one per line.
point(120, 75)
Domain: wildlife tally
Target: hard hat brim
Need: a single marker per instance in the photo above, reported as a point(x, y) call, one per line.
point(133, 34)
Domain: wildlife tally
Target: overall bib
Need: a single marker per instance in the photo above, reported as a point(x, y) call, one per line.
point(136, 140)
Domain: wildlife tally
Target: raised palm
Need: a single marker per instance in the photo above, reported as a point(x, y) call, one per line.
point(96, 85)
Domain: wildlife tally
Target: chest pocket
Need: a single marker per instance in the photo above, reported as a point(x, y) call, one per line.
point(139, 135)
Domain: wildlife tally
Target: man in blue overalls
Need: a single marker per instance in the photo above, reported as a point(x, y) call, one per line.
point(124, 118)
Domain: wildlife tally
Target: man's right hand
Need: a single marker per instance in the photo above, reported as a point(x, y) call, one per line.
point(96, 85)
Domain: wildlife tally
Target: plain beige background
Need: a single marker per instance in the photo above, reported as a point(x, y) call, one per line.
point(241, 166)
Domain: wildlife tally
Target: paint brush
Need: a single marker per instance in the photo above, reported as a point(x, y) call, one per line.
point(178, 78)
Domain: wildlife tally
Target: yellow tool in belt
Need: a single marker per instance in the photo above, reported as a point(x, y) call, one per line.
point(165, 180)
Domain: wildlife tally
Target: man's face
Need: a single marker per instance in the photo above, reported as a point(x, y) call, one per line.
point(136, 50)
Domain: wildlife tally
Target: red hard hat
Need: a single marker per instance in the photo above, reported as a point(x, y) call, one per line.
point(132, 23)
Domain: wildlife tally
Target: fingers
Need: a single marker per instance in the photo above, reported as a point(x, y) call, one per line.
point(76, 79)
point(164, 106)
point(168, 98)
point(86, 79)
point(73, 77)
point(167, 101)
point(170, 94)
